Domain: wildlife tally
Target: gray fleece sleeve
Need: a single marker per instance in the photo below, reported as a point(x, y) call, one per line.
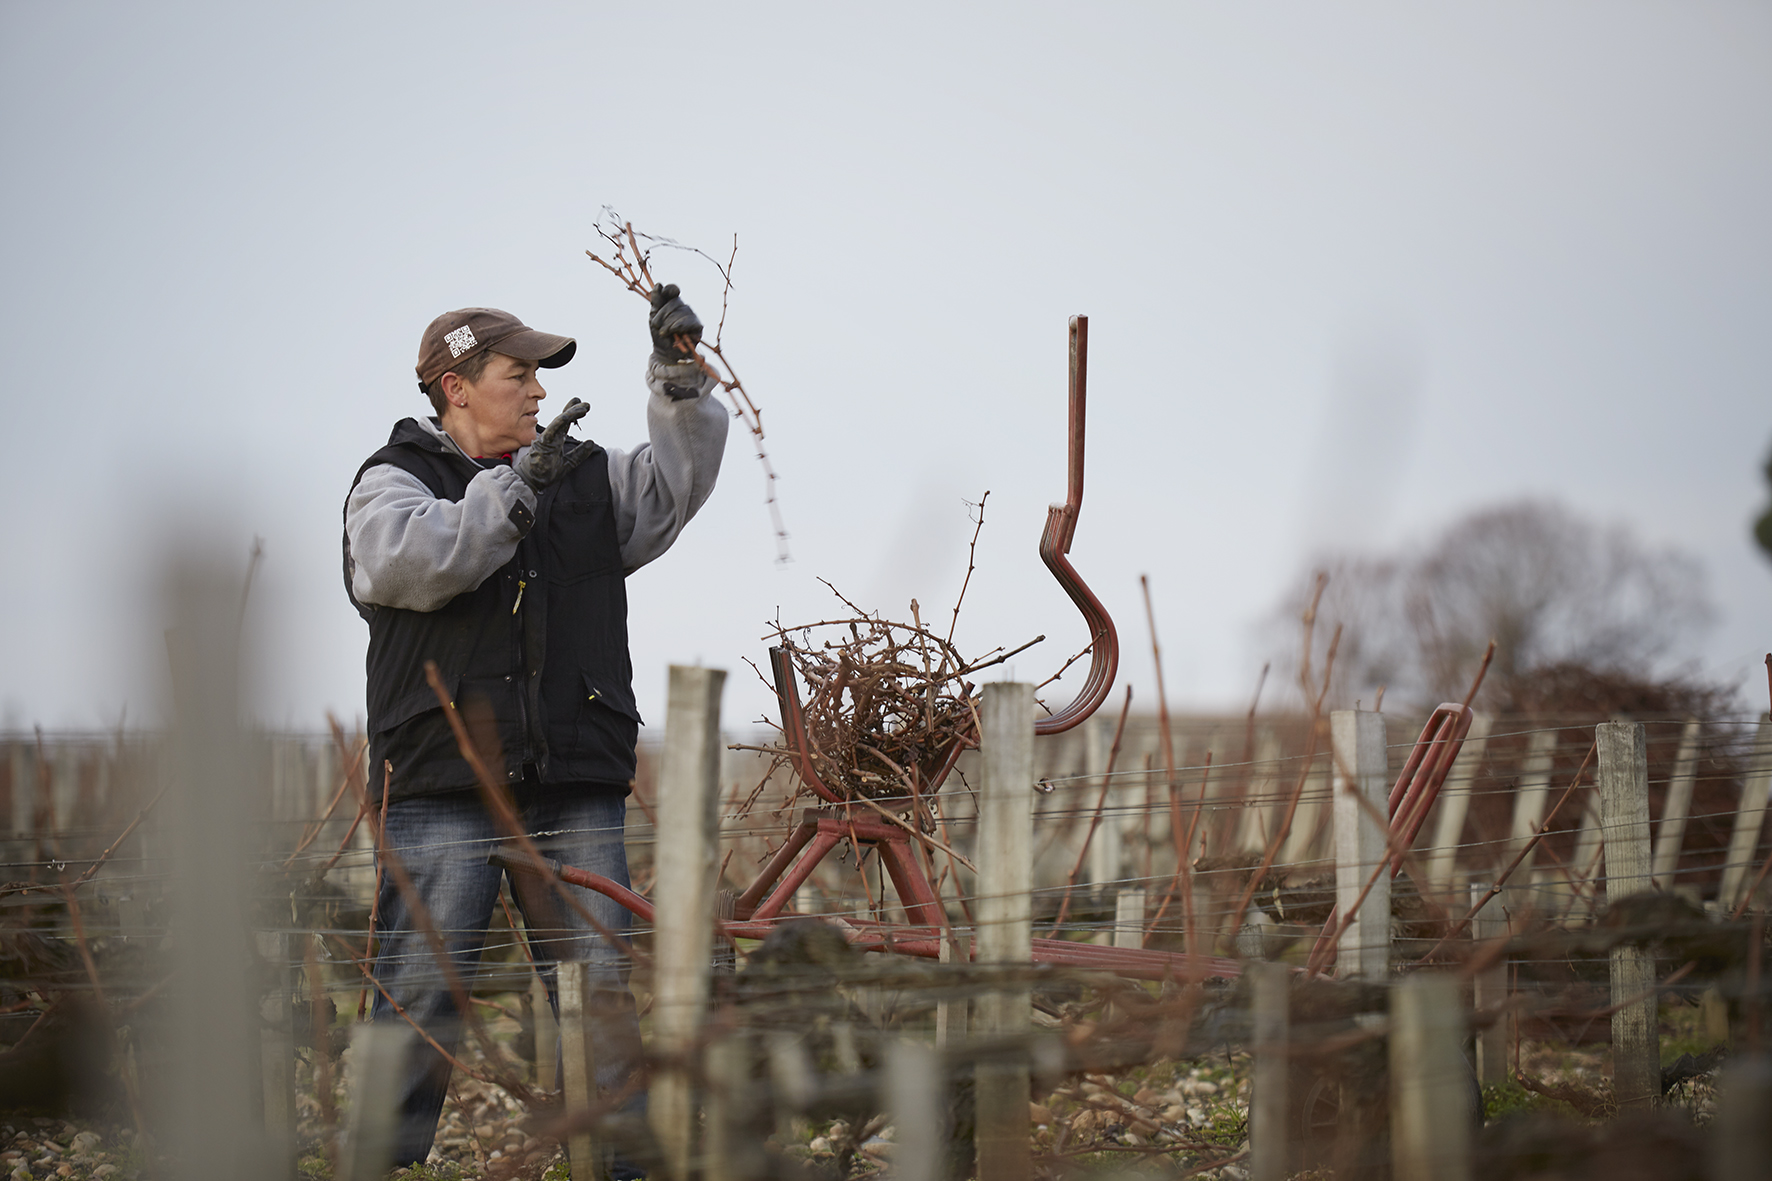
point(412, 550)
point(659, 485)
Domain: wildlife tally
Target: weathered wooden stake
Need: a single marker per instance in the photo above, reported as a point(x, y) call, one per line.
point(913, 1094)
point(1304, 843)
point(24, 776)
point(1489, 989)
point(1748, 819)
point(547, 1034)
point(683, 901)
point(1741, 1133)
point(1679, 804)
point(1361, 765)
point(734, 1149)
point(1431, 1113)
point(1585, 861)
point(1263, 808)
point(950, 1011)
point(578, 1065)
point(1267, 1115)
point(1624, 816)
point(1005, 922)
point(1529, 805)
point(378, 1057)
point(793, 1078)
point(1129, 911)
point(277, 1052)
point(215, 787)
point(1103, 861)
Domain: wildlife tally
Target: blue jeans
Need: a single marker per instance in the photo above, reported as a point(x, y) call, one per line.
point(443, 842)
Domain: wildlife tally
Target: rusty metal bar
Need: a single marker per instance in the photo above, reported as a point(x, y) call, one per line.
point(778, 900)
point(1424, 773)
point(771, 873)
point(793, 725)
point(1055, 543)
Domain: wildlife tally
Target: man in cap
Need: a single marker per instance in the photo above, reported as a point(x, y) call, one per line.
point(500, 555)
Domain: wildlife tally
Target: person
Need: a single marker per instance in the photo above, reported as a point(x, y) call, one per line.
point(501, 556)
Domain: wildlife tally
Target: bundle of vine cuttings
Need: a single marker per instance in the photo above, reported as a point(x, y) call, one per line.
point(886, 703)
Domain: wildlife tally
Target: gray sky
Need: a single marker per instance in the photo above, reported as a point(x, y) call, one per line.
point(1352, 270)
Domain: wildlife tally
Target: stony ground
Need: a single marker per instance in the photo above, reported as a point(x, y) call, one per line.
point(1168, 1119)
point(59, 1148)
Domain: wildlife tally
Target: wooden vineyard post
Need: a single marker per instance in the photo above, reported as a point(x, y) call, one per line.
point(1679, 804)
point(1360, 767)
point(1306, 838)
point(683, 901)
point(733, 1150)
point(1529, 804)
point(578, 1065)
point(1585, 866)
point(913, 1094)
point(1431, 1115)
point(211, 1004)
point(1261, 808)
point(1129, 918)
point(1748, 819)
point(1741, 1134)
point(1267, 1113)
point(1106, 861)
point(950, 1011)
point(1005, 922)
point(547, 1033)
point(1489, 990)
point(1624, 818)
point(378, 1058)
point(277, 1051)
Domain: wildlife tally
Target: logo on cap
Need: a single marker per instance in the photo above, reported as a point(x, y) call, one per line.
point(460, 341)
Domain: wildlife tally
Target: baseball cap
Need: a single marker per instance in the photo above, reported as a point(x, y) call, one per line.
point(456, 335)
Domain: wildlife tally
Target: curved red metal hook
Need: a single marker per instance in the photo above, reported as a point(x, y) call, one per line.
point(1055, 543)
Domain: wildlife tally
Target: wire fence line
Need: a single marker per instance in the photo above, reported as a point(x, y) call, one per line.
point(1258, 833)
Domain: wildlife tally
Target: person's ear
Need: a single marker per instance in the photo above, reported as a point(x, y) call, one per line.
point(455, 390)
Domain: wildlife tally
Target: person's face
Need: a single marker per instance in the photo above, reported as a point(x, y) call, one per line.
point(502, 405)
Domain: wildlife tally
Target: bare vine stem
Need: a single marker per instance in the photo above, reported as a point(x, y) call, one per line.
point(630, 262)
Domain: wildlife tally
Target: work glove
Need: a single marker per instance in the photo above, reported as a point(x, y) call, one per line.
point(671, 318)
point(546, 460)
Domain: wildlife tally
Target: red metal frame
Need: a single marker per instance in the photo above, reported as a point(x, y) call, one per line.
point(765, 901)
point(820, 830)
point(757, 911)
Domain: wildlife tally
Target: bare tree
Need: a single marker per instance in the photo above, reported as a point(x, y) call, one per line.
point(1763, 523)
point(1548, 586)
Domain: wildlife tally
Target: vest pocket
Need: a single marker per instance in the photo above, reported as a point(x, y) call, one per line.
point(581, 540)
point(412, 704)
point(594, 696)
point(606, 724)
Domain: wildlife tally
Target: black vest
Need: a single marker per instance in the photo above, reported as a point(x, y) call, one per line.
point(535, 657)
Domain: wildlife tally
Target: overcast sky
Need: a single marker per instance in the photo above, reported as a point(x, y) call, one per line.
point(1352, 271)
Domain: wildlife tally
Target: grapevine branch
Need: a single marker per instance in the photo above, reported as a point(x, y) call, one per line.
point(629, 260)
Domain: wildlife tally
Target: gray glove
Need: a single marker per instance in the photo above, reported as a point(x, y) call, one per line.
point(670, 319)
point(546, 460)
